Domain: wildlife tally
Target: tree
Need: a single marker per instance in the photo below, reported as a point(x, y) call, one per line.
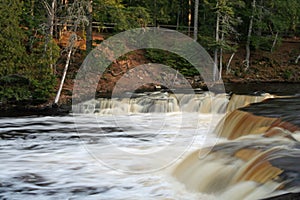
point(122, 16)
point(158, 10)
point(270, 21)
point(51, 10)
point(190, 18)
point(77, 16)
point(89, 26)
point(22, 54)
point(196, 14)
point(12, 51)
point(247, 60)
point(226, 23)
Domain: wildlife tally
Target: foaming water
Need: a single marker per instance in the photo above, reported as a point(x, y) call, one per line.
point(239, 101)
point(50, 157)
point(252, 167)
point(157, 102)
point(128, 149)
point(238, 123)
point(260, 158)
point(163, 102)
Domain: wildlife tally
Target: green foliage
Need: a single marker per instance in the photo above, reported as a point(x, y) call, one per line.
point(172, 60)
point(42, 89)
point(25, 50)
point(283, 15)
point(12, 52)
point(287, 74)
point(159, 10)
point(14, 93)
point(16, 88)
point(132, 17)
point(124, 17)
point(33, 15)
point(228, 21)
point(270, 17)
point(264, 42)
point(24, 73)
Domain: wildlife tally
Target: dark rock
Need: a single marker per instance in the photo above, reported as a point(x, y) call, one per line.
point(29, 110)
point(288, 196)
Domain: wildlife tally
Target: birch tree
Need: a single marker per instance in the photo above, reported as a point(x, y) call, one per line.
point(226, 22)
point(76, 15)
point(297, 59)
point(51, 17)
point(217, 41)
point(89, 26)
point(196, 14)
point(189, 17)
point(12, 51)
point(247, 60)
point(72, 41)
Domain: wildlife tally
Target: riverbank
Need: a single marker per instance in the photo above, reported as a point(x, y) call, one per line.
point(17, 109)
point(266, 69)
point(274, 72)
point(26, 109)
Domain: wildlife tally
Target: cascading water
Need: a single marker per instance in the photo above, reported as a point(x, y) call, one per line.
point(239, 123)
point(162, 102)
point(159, 102)
point(239, 101)
point(249, 168)
point(53, 158)
point(262, 159)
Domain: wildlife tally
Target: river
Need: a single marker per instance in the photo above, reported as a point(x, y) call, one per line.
point(55, 158)
point(147, 147)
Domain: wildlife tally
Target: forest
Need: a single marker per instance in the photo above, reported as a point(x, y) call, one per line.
point(31, 32)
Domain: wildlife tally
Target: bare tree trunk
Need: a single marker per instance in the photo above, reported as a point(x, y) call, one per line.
point(196, 20)
point(221, 59)
point(297, 59)
point(260, 15)
point(52, 67)
point(228, 64)
point(80, 17)
point(215, 65)
point(247, 60)
point(89, 27)
point(220, 64)
point(274, 42)
point(51, 18)
point(217, 41)
point(32, 8)
point(178, 18)
point(190, 18)
point(155, 13)
point(73, 39)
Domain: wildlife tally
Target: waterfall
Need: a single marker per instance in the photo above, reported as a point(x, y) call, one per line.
point(162, 102)
point(243, 169)
point(239, 101)
point(239, 123)
point(260, 158)
point(157, 102)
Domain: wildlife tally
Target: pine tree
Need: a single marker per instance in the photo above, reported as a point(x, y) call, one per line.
point(12, 51)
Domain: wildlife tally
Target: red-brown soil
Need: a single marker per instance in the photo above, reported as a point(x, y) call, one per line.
point(278, 66)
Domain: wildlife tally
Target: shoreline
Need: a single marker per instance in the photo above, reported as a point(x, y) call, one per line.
point(18, 109)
